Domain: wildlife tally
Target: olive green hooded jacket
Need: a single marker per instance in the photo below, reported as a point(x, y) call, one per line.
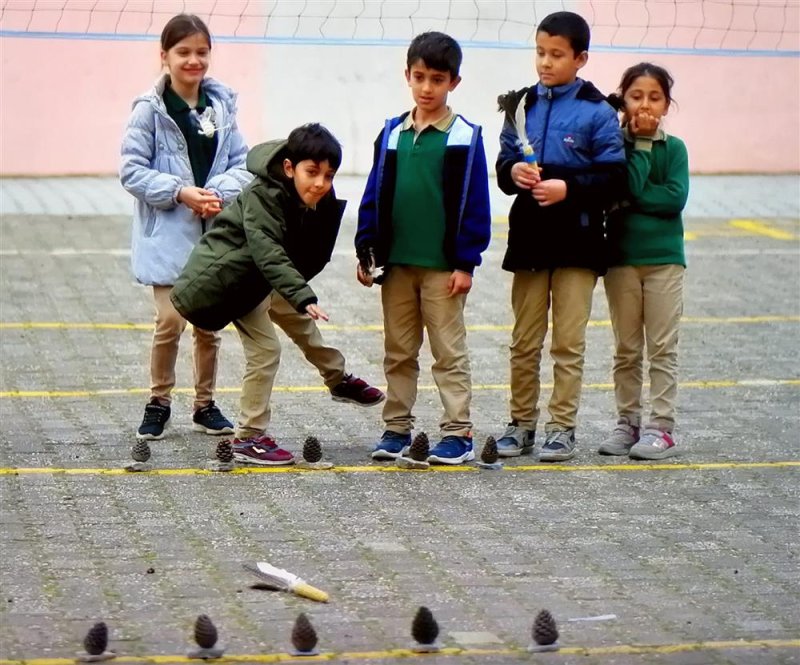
point(266, 239)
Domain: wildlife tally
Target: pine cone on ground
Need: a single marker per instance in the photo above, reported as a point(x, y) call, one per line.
point(205, 632)
point(489, 453)
point(544, 629)
point(304, 637)
point(96, 639)
point(224, 451)
point(312, 450)
point(140, 452)
point(424, 628)
point(420, 448)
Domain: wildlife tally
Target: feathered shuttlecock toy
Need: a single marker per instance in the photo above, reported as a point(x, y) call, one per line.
point(207, 121)
point(513, 105)
point(96, 645)
point(282, 580)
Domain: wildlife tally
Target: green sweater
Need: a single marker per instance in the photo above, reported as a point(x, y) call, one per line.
point(648, 228)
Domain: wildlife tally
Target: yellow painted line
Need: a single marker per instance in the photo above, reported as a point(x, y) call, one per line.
point(757, 227)
point(378, 327)
point(376, 468)
point(478, 387)
point(621, 649)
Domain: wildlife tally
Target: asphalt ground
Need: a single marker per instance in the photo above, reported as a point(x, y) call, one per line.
point(695, 558)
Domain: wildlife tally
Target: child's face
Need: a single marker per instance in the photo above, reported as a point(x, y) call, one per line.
point(312, 180)
point(645, 95)
point(188, 60)
point(430, 87)
point(556, 62)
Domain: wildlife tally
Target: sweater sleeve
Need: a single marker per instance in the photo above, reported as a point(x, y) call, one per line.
point(263, 226)
point(667, 198)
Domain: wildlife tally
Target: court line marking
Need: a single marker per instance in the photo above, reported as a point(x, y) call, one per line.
point(760, 228)
point(378, 327)
point(459, 468)
point(620, 649)
point(479, 387)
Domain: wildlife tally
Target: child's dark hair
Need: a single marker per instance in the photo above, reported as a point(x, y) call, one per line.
point(632, 73)
point(437, 50)
point(182, 26)
point(314, 142)
point(570, 26)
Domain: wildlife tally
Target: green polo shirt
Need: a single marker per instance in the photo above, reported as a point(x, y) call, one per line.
point(418, 215)
point(202, 149)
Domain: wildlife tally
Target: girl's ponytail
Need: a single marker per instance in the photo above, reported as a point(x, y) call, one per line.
point(616, 101)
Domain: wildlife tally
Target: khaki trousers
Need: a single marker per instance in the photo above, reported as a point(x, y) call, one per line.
point(569, 290)
point(415, 299)
point(646, 304)
point(169, 326)
point(262, 353)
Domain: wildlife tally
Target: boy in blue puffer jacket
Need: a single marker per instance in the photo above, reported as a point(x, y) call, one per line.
point(556, 239)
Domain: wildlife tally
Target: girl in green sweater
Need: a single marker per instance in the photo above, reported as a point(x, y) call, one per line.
point(644, 283)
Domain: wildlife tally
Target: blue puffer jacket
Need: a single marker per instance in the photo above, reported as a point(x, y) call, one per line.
point(155, 166)
point(577, 138)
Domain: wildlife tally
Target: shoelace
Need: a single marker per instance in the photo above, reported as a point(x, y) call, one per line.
point(152, 414)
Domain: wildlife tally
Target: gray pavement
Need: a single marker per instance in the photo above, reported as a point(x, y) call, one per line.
point(697, 560)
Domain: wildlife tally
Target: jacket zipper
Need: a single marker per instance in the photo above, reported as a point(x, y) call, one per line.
point(546, 123)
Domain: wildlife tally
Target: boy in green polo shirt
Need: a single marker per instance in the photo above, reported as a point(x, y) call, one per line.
point(425, 218)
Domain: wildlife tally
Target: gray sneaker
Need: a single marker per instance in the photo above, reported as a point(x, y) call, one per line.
point(515, 441)
point(559, 446)
point(654, 445)
point(621, 440)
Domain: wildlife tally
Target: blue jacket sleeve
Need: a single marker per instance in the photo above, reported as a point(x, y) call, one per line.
point(476, 223)
point(367, 231)
point(605, 182)
point(510, 154)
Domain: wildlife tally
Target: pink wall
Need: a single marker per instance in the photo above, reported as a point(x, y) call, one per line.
point(64, 102)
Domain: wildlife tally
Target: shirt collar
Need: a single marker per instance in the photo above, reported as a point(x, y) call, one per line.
point(442, 125)
point(175, 103)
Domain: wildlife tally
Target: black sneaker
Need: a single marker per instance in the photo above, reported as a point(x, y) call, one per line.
point(210, 420)
point(156, 419)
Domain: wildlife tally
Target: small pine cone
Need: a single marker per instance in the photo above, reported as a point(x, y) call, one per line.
point(140, 452)
point(544, 628)
point(312, 451)
point(304, 637)
point(424, 628)
point(420, 448)
point(96, 639)
point(489, 453)
point(205, 632)
point(225, 451)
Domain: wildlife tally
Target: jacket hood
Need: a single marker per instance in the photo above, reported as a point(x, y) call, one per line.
point(212, 87)
point(266, 160)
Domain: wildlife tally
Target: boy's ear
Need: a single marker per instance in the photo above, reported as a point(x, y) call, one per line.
point(454, 83)
point(408, 76)
point(288, 169)
point(581, 59)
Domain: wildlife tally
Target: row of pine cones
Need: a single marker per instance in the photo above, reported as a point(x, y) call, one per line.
point(424, 630)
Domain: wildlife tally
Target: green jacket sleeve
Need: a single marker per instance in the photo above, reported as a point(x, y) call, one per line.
point(667, 198)
point(265, 230)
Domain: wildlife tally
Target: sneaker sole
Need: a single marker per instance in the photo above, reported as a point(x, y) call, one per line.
point(244, 459)
point(153, 437)
point(386, 455)
point(197, 427)
point(467, 457)
point(654, 455)
point(556, 457)
point(348, 400)
point(617, 451)
point(514, 452)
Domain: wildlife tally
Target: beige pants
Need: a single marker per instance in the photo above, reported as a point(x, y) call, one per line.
point(569, 290)
point(646, 304)
point(415, 299)
point(169, 326)
point(262, 353)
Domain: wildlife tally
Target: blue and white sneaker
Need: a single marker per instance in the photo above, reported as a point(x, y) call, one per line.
point(559, 446)
point(391, 446)
point(452, 450)
point(515, 441)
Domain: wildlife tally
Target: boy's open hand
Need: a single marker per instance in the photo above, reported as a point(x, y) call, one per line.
point(459, 282)
point(548, 192)
point(524, 175)
point(363, 276)
point(200, 201)
point(316, 312)
point(643, 124)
